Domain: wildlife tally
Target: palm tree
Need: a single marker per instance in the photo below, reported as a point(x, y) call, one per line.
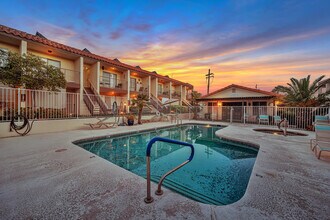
point(140, 101)
point(194, 96)
point(302, 92)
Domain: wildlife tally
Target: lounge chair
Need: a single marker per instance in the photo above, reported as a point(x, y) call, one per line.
point(321, 119)
point(322, 139)
point(263, 118)
point(101, 123)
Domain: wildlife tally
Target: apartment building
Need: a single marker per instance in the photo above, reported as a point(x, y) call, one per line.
point(100, 81)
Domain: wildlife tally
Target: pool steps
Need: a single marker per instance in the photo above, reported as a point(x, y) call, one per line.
point(181, 189)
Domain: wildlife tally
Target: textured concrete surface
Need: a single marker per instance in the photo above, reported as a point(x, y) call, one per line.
point(46, 176)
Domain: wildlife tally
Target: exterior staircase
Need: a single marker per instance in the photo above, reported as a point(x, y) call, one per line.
point(184, 101)
point(94, 103)
point(158, 105)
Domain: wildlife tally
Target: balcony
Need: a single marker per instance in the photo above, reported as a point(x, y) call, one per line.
point(138, 88)
point(111, 83)
point(176, 95)
point(112, 86)
point(72, 78)
point(165, 94)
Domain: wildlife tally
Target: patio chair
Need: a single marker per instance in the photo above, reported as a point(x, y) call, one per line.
point(264, 118)
point(321, 119)
point(322, 139)
point(277, 119)
point(251, 118)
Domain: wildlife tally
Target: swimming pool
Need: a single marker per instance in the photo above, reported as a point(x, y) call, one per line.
point(218, 174)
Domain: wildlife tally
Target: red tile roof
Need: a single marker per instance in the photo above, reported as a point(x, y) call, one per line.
point(34, 38)
point(241, 87)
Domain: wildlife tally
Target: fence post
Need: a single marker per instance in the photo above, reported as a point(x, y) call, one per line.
point(19, 101)
point(77, 105)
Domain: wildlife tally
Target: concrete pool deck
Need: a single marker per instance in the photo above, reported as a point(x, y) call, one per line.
point(46, 176)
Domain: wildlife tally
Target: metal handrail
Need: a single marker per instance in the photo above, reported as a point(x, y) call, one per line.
point(159, 191)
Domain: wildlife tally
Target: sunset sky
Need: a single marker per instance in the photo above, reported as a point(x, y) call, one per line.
point(244, 42)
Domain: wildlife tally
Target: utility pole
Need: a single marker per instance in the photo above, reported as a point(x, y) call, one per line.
point(208, 77)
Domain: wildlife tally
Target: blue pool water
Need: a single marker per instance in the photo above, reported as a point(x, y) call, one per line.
point(218, 174)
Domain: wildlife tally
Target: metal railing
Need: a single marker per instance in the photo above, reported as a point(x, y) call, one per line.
point(46, 105)
point(298, 117)
point(164, 93)
point(111, 83)
point(71, 75)
point(96, 98)
point(159, 191)
point(37, 104)
point(176, 95)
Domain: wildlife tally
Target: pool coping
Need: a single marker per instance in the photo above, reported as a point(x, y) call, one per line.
point(133, 132)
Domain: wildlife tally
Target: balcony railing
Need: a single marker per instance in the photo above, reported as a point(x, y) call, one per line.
point(111, 83)
point(176, 95)
point(165, 93)
point(140, 89)
point(71, 75)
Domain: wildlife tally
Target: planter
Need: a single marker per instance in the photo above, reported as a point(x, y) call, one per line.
point(130, 122)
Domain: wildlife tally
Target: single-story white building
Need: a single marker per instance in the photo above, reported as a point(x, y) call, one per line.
point(236, 97)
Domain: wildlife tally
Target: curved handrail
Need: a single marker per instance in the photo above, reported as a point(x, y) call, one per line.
point(159, 191)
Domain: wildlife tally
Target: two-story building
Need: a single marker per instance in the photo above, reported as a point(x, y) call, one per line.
point(102, 80)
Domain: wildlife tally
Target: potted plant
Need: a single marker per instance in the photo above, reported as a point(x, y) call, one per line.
point(130, 119)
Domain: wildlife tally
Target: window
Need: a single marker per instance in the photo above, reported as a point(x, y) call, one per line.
point(133, 84)
point(50, 62)
point(3, 57)
point(233, 90)
point(109, 79)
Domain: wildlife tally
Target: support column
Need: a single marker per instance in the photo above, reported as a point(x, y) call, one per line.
point(149, 86)
point(128, 73)
point(181, 95)
point(170, 90)
point(98, 66)
point(23, 47)
point(79, 66)
point(156, 90)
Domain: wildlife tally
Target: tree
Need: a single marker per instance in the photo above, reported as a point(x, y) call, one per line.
point(11, 69)
point(30, 72)
point(194, 96)
point(302, 92)
point(140, 101)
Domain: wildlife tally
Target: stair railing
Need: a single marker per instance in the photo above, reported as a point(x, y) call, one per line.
point(104, 107)
point(88, 102)
point(159, 191)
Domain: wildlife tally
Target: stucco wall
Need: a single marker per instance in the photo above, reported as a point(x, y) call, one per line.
point(70, 76)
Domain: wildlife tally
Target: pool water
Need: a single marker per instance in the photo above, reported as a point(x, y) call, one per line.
point(218, 174)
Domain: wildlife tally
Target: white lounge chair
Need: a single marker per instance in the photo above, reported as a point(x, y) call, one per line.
point(102, 123)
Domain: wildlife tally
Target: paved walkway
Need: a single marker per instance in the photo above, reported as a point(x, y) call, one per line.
point(46, 176)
